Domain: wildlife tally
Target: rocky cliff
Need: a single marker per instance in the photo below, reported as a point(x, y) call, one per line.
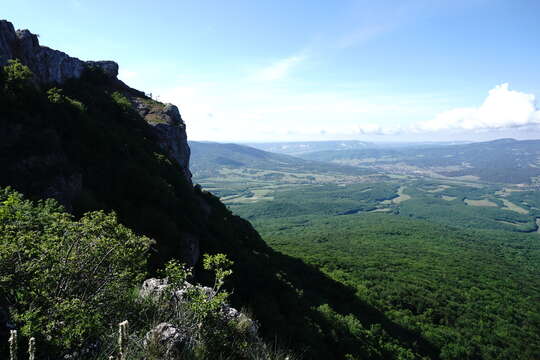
point(48, 65)
point(52, 67)
point(169, 128)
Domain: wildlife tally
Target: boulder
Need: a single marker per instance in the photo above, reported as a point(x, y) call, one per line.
point(154, 288)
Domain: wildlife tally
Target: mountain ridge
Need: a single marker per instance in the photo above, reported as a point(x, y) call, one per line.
point(210, 157)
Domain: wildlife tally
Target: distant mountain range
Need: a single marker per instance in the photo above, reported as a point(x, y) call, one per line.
point(503, 160)
point(304, 147)
point(208, 158)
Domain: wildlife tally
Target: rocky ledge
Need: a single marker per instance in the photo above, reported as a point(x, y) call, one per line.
point(48, 65)
point(169, 128)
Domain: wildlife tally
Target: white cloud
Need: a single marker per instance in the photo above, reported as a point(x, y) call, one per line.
point(502, 109)
point(251, 111)
point(278, 70)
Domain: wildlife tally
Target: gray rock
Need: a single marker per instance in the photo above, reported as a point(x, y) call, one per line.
point(110, 68)
point(172, 137)
point(242, 320)
point(168, 339)
point(157, 288)
point(8, 39)
point(169, 129)
point(153, 288)
point(48, 65)
point(180, 294)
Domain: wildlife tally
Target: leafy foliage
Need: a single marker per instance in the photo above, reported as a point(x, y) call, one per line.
point(67, 280)
point(70, 282)
point(470, 293)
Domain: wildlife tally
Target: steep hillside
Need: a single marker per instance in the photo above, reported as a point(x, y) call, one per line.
point(70, 130)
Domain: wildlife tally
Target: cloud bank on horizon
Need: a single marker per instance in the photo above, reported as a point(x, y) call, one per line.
point(502, 109)
point(278, 116)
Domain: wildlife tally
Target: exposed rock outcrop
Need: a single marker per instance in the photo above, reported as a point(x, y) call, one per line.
point(48, 65)
point(169, 128)
point(55, 67)
point(160, 289)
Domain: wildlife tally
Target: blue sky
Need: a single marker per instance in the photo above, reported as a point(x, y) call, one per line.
point(314, 70)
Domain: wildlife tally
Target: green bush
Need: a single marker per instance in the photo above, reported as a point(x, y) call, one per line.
point(17, 74)
point(66, 280)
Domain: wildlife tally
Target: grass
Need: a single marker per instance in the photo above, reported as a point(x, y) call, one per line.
point(483, 202)
point(513, 207)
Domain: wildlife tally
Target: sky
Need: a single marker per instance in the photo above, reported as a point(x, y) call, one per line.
point(261, 71)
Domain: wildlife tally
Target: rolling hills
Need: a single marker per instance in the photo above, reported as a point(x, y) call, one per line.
point(501, 161)
point(209, 158)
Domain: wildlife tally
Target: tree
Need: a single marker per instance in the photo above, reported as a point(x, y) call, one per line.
point(66, 280)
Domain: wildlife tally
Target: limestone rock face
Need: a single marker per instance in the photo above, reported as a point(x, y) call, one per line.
point(169, 128)
point(48, 65)
point(173, 138)
point(8, 38)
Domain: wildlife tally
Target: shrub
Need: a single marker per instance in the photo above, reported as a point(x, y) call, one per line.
point(66, 280)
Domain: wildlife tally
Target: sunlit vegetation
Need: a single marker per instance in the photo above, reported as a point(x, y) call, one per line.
point(473, 294)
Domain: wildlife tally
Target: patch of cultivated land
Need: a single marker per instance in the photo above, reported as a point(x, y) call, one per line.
point(380, 210)
point(483, 202)
point(513, 207)
point(401, 196)
point(439, 189)
point(292, 177)
point(507, 191)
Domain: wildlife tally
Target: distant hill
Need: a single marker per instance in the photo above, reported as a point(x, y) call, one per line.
point(502, 161)
point(208, 158)
point(302, 147)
